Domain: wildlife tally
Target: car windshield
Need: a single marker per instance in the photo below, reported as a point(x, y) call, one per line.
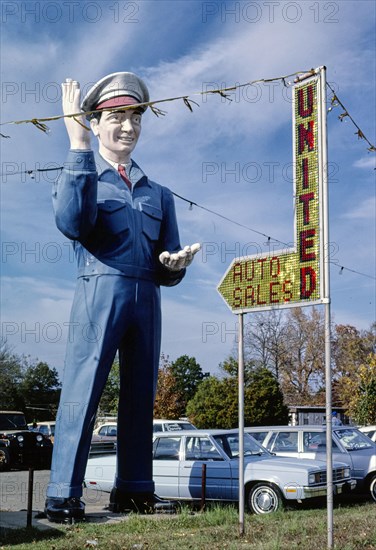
point(353, 440)
point(9, 421)
point(230, 444)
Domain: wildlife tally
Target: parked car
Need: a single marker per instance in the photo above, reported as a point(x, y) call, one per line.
point(105, 432)
point(349, 446)
point(370, 432)
point(269, 480)
point(108, 432)
point(20, 447)
point(46, 428)
point(171, 425)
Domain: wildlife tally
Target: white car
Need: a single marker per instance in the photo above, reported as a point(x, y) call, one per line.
point(171, 425)
point(349, 446)
point(109, 430)
point(369, 431)
point(270, 481)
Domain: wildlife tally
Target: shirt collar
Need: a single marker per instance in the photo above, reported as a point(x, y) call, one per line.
point(132, 170)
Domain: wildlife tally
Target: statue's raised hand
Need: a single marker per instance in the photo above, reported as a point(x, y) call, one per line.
point(79, 137)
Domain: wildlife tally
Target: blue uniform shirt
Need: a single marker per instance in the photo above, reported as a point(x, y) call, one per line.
point(115, 231)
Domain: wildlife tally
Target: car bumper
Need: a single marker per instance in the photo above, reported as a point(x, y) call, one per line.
point(302, 493)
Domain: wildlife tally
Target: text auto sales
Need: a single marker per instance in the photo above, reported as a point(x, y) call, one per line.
point(293, 276)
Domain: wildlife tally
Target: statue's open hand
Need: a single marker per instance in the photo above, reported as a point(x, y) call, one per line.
point(179, 260)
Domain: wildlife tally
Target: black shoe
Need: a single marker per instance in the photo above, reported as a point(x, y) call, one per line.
point(141, 503)
point(61, 510)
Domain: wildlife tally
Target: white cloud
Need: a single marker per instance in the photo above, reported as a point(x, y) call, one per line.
point(366, 209)
point(368, 162)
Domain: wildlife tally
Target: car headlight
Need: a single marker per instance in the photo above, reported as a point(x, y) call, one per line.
point(39, 437)
point(314, 478)
point(20, 438)
point(346, 472)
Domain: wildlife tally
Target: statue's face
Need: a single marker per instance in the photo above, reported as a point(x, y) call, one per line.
point(118, 133)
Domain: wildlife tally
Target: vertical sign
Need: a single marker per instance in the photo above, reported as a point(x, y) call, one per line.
point(292, 277)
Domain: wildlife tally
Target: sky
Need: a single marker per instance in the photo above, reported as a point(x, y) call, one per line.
point(231, 157)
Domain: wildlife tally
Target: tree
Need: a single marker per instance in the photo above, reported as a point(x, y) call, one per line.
point(263, 401)
point(108, 404)
point(215, 404)
point(265, 340)
point(230, 367)
point(168, 399)
point(352, 352)
point(11, 372)
point(360, 390)
point(40, 389)
point(188, 375)
point(302, 370)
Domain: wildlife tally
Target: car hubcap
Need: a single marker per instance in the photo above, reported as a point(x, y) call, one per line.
point(264, 500)
point(373, 488)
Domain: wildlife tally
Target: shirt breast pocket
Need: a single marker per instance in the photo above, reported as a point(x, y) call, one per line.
point(113, 216)
point(151, 220)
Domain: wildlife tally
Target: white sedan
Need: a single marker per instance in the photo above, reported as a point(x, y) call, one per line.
point(178, 460)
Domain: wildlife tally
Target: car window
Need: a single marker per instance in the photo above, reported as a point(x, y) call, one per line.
point(201, 448)
point(353, 440)
point(112, 431)
point(316, 442)
point(285, 442)
point(230, 444)
point(173, 426)
point(43, 430)
point(157, 428)
point(186, 426)
point(166, 448)
point(259, 436)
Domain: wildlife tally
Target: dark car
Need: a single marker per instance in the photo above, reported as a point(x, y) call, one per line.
point(19, 447)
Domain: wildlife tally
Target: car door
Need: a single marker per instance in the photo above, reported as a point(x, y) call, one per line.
point(166, 452)
point(284, 443)
point(200, 451)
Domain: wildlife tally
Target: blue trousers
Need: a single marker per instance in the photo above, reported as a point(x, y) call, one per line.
point(109, 313)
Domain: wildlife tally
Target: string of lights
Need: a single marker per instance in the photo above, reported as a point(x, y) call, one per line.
point(269, 237)
point(39, 122)
point(336, 102)
point(192, 203)
point(188, 102)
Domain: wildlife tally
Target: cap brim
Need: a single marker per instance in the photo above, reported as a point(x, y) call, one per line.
point(117, 102)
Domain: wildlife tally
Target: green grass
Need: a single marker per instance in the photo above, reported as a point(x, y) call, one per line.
point(215, 529)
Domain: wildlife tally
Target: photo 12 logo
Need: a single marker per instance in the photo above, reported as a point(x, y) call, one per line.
point(70, 12)
point(271, 12)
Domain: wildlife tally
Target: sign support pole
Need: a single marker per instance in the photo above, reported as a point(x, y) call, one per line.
point(328, 372)
point(241, 422)
point(299, 276)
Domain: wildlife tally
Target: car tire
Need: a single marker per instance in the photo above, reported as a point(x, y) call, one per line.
point(264, 498)
point(372, 487)
point(4, 459)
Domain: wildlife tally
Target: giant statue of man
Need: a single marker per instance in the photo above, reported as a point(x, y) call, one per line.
point(125, 237)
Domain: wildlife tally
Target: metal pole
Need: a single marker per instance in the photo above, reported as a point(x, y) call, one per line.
point(241, 424)
point(30, 498)
point(326, 274)
point(203, 487)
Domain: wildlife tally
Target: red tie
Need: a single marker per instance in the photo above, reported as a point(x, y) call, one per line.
point(124, 176)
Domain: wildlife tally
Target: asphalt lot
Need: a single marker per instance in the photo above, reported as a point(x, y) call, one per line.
point(14, 499)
